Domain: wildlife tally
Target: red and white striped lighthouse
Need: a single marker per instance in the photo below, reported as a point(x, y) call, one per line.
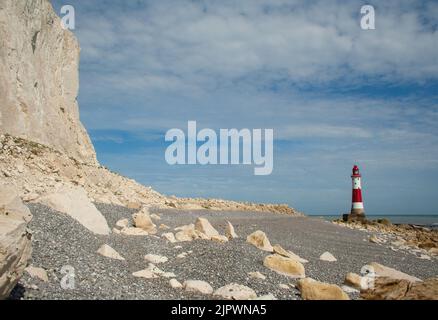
point(357, 208)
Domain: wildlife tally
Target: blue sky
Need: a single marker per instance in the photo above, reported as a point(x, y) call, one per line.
point(334, 94)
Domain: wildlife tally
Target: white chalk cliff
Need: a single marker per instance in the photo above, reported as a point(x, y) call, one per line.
point(39, 79)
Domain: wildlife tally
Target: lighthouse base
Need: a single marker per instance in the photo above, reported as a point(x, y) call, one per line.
point(354, 216)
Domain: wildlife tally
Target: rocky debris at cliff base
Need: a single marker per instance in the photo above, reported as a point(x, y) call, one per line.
point(75, 202)
point(143, 221)
point(15, 239)
point(38, 171)
point(36, 272)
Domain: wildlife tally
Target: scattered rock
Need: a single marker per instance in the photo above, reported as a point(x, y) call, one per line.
point(15, 239)
point(156, 259)
point(260, 240)
point(314, 290)
point(257, 275)
point(36, 272)
point(349, 289)
point(283, 286)
point(123, 223)
point(289, 254)
point(284, 266)
point(198, 286)
point(424, 257)
point(182, 255)
point(383, 271)
point(402, 289)
point(169, 236)
point(433, 251)
point(327, 256)
point(106, 251)
point(74, 202)
point(235, 291)
point(146, 273)
point(353, 280)
point(133, 231)
point(155, 216)
point(203, 225)
point(229, 232)
point(219, 238)
point(375, 239)
point(12, 206)
point(116, 231)
point(175, 284)
point(163, 227)
point(143, 221)
point(268, 296)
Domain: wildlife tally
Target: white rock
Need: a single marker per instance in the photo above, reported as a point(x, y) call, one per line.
point(147, 274)
point(230, 232)
point(156, 259)
point(175, 284)
point(122, 223)
point(283, 286)
point(384, 271)
point(257, 275)
point(143, 221)
point(133, 231)
point(268, 296)
point(219, 238)
point(106, 251)
point(74, 202)
point(348, 289)
point(36, 272)
point(198, 286)
point(155, 216)
point(169, 236)
point(203, 225)
point(168, 275)
point(15, 239)
point(234, 291)
point(327, 256)
point(260, 240)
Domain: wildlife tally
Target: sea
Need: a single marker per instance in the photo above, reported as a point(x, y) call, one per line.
point(430, 221)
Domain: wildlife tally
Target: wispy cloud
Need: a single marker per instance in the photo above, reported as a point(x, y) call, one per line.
point(333, 93)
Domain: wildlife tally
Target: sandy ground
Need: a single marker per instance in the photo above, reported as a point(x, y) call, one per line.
point(60, 241)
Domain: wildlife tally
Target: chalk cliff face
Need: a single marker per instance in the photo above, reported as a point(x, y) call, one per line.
point(39, 79)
